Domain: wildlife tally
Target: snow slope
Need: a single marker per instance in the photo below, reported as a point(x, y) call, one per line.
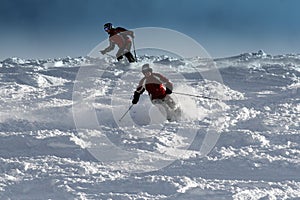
point(51, 149)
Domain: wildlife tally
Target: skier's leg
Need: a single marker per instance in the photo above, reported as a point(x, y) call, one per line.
point(174, 111)
point(159, 104)
point(130, 57)
point(170, 102)
point(119, 58)
point(163, 108)
point(120, 54)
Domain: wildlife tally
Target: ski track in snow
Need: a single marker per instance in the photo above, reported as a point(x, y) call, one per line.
point(257, 156)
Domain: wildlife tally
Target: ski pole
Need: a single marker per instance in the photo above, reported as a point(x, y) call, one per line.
point(125, 113)
point(198, 96)
point(134, 50)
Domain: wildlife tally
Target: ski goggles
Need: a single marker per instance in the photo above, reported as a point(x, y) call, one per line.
point(146, 70)
point(106, 28)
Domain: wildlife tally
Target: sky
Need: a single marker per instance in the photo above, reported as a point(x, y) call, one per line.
point(60, 28)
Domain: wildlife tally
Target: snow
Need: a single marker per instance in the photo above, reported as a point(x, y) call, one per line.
point(61, 138)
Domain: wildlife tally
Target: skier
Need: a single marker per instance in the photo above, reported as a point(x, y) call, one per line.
point(154, 84)
point(119, 36)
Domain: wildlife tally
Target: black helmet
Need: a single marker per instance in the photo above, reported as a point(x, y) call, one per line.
point(146, 68)
point(107, 26)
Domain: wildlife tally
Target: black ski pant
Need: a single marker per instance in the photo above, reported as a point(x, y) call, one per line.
point(129, 57)
point(125, 50)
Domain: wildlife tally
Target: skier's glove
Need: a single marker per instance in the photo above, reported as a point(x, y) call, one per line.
point(168, 91)
point(134, 101)
point(136, 97)
point(103, 52)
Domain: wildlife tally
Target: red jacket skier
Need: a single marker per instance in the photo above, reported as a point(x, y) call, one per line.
point(154, 84)
point(119, 36)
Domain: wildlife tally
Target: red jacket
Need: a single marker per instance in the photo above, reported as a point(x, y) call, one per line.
point(154, 86)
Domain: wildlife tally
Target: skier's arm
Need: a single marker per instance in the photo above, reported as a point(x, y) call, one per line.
point(139, 90)
point(109, 48)
point(166, 82)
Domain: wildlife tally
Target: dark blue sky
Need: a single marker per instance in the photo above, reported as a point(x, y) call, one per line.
point(59, 28)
